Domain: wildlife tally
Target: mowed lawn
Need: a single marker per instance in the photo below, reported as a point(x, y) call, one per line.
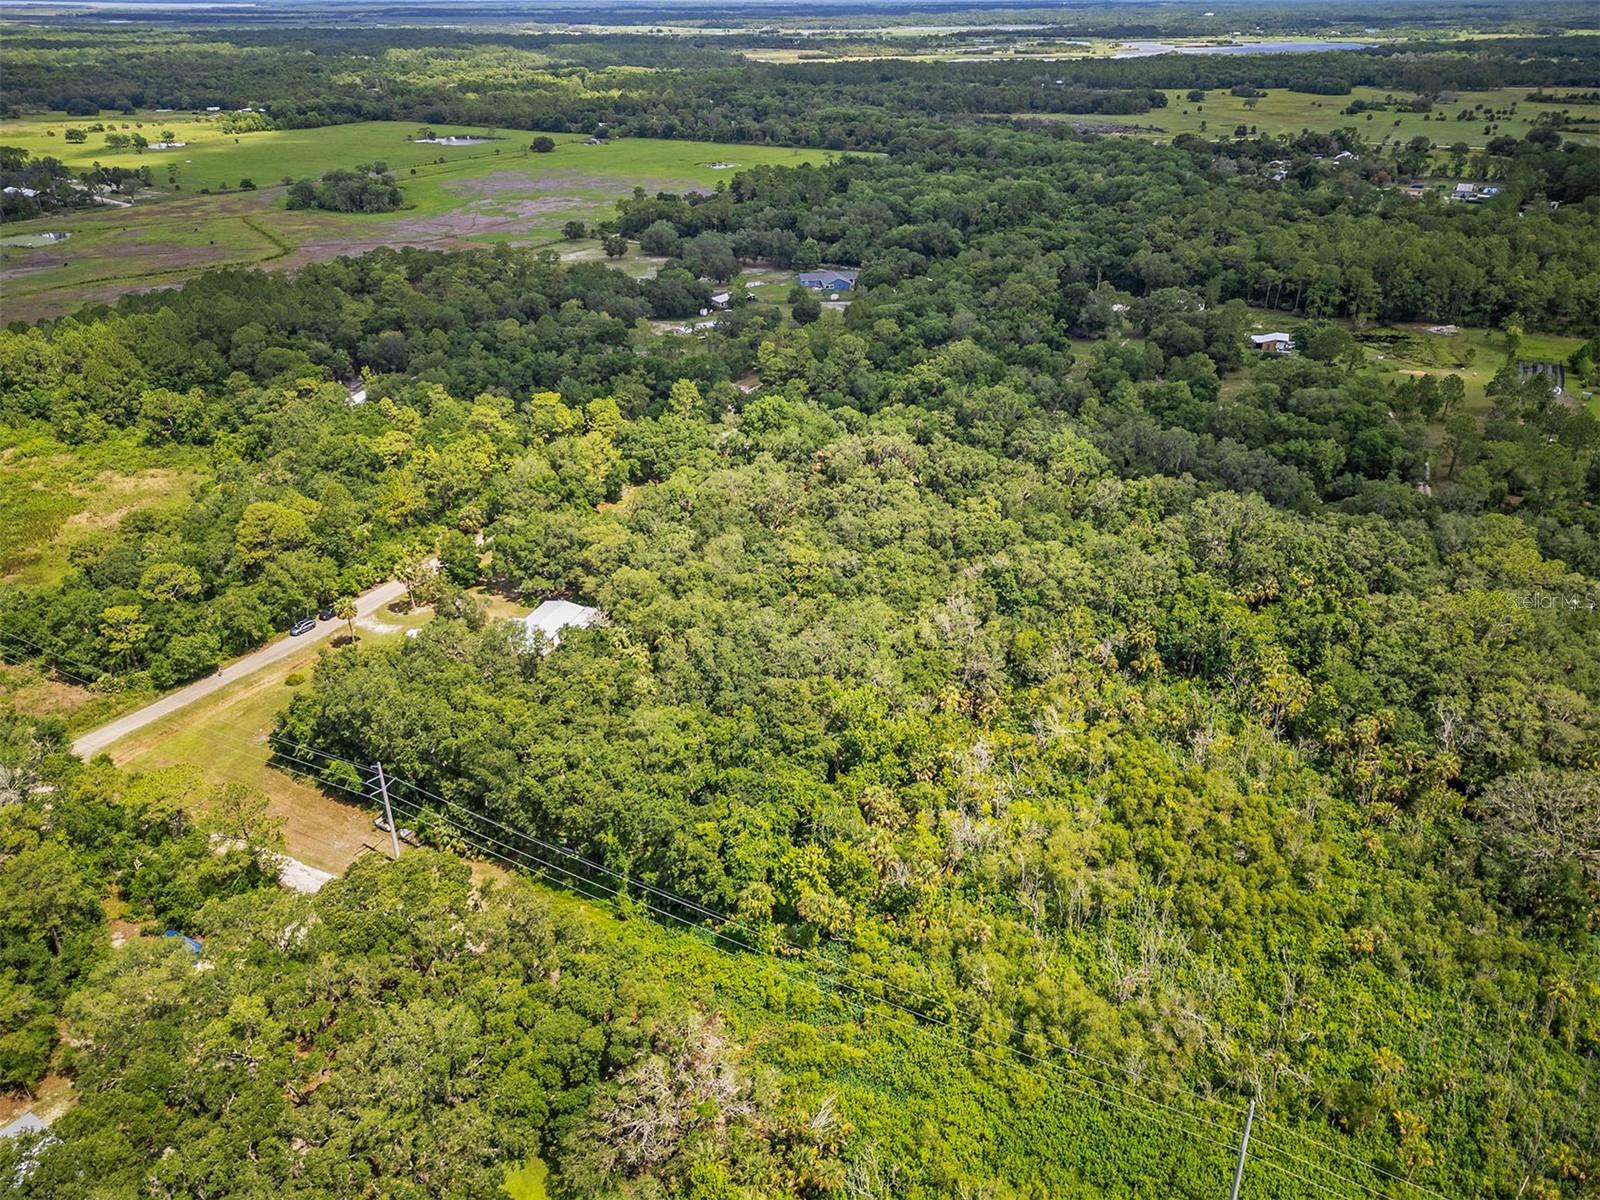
point(480, 195)
point(224, 739)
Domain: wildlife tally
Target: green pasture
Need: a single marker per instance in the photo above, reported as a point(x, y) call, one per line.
point(498, 192)
point(1281, 111)
point(217, 160)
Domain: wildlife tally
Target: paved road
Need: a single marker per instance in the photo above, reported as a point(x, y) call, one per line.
point(97, 740)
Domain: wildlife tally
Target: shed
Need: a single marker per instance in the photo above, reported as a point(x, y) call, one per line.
point(1272, 343)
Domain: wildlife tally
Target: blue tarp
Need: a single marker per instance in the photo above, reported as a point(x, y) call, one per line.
point(192, 943)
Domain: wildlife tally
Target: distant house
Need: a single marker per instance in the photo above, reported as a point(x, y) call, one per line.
point(551, 617)
point(827, 280)
point(1272, 343)
point(1415, 192)
point(721, 299)
point(1474, 191)
point(1343, 156)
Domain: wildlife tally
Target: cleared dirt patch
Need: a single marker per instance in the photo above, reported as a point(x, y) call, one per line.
point(137, 490)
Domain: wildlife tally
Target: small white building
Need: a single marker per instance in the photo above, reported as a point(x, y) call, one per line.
point(551, 617)
point(1272, 343)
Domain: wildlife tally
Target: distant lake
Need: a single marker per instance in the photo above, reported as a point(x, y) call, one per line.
point(1146, 49)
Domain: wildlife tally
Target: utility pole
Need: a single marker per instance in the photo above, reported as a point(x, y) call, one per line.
point(1244, 1145)
point(394, 838)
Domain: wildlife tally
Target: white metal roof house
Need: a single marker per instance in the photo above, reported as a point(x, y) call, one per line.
point(1272, 343)
point(551, 617)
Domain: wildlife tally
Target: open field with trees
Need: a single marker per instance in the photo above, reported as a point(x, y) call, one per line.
point(502, 192)
point(1388, 117)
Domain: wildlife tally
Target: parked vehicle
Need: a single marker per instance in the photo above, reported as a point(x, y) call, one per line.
point(303, 625)
point(325, 613)
point(409, 836)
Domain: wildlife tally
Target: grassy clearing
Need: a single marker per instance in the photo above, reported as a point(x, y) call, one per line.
point(54, 496)
point(1281, 111)
point(223, 739)
point(484, 195)
point(213, 159)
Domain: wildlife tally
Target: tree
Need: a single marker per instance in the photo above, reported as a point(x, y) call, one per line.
point(1544, 827)
point(1461, 439)
point(542, 144)
point(76, 135)
point(267, 528)
point(123, 631)
point(615, 245)
point(417, 571)
point(808, 256)
point(167, 582)
point(1325, 341)
point(804, 305)
point(345, 609)
point(573, 230)
point(247, 184)
point(458, 558)
point(659, 238)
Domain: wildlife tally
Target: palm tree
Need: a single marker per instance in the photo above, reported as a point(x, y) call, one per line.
point(345, 609)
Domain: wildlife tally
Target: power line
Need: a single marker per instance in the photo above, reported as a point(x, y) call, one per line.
point(624, 878)
point(919, 1020)
point(313, 771)
point(419, 811)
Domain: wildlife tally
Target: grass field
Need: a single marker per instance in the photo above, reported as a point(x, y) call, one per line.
point(216, 160)
point(223, 739)
point(476, 197)
point(1282, 111)
point(54, 496)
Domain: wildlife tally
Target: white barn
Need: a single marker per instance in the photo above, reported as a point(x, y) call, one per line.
point(551, 617)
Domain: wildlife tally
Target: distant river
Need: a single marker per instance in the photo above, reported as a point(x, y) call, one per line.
point(1146, 49)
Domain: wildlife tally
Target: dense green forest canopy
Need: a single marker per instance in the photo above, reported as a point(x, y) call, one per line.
point(500, 1030)
point(1012, 643)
